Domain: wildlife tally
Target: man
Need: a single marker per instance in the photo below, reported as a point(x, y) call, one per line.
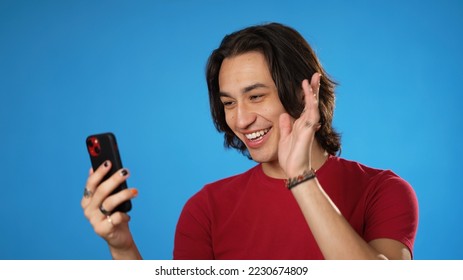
point(274, 102)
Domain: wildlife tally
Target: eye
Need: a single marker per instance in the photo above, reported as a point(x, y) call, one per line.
point(227, 103)
point(256, 97)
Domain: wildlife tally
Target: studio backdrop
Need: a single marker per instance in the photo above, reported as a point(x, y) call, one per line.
point(137, 68)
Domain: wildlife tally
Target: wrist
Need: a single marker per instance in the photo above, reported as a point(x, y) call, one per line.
point(304, 176)
point(295, 172)
point(128, 253)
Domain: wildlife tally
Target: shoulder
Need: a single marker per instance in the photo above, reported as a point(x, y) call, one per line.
point(386, 193)
point(353, 170)
point(389, 201)
point(371, 183)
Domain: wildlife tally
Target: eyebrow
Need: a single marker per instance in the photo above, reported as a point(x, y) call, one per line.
point(246, 89)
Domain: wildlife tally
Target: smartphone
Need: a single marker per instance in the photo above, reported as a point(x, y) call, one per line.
point(102, 147)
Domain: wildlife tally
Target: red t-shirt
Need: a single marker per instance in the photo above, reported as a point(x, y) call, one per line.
point(253, 216)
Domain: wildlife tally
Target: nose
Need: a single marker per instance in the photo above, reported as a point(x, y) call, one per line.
point(244, 117)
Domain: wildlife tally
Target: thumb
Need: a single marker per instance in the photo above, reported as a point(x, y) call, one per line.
point(285, 125)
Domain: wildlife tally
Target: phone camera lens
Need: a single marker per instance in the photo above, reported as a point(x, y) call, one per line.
point(93, 146)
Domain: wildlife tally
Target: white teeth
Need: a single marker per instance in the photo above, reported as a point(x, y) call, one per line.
point(257, 134)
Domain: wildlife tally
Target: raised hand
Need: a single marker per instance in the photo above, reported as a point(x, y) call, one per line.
point(297, 136)
point(98, 204)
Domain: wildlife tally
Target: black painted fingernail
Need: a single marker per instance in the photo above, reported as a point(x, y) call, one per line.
point(124, 172)
point(106, 163)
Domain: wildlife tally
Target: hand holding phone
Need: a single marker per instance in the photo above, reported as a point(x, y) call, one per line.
point(102, 147)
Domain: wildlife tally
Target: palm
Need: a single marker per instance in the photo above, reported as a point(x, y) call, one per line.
point(297, 136)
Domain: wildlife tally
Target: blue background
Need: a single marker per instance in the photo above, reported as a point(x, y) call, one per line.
point(73, 68)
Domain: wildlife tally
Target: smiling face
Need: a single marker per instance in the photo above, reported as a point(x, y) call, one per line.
point(251, 103)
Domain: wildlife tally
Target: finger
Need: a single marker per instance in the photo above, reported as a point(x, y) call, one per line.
point(285, 125)
point(308, 92)
point(87, 193)
point(108, 186)
point(111, 202)
point(119, 218)
point(95, 216)
point(95, 178)
point(103, 225)
point(92, 182)
point(315, 84)
point(106, 225)
point(309, 97)
point(310, 117)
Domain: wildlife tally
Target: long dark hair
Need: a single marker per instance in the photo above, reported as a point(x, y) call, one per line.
point(291, 60)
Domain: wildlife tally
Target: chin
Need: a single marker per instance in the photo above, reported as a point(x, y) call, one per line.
point(262, 157)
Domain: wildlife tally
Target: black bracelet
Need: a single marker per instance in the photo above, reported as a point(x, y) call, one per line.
point(306, 176)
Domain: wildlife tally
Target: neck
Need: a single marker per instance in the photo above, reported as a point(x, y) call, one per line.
point(274, 170)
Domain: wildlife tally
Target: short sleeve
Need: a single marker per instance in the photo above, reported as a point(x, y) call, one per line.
point(392, 210)
point(193, 236)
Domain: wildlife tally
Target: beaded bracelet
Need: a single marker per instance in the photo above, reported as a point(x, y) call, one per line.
point(305, 176)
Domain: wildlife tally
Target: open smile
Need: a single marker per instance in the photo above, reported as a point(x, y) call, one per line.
point(257, 135)
point(257, 138)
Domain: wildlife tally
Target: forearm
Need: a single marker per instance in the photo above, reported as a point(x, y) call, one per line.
point(334, 235)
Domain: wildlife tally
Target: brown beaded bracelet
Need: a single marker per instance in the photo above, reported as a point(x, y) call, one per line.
point(305, 176)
